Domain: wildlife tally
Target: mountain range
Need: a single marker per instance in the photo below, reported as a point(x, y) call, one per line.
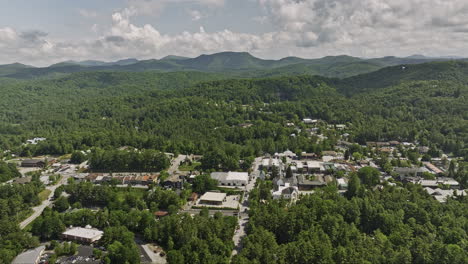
point(236, 64)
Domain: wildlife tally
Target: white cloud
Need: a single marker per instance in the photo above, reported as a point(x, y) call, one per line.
point(195, 15)
point(307, 28)
point(371, 27)
point(154, 7)
point(87, 13)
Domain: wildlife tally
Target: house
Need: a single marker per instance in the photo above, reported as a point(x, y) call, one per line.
point(342, 184)
point(451, 183)
point(308, 156)
point(87, 234)
point(423, 150)
point(245, 125)
point(442, 195)
point(34, 141)
point(286, 191)
point(32, 163)
point(160, 214)
point(377, 144)
point(309, 121)
point(329, 153)
point(408, 172)
point(433, 168)
point(173, 184)
point(231, 178)
point(269, 163)
point(314, 166)
point(29, 257)
point(305, 184)
point(213, 198)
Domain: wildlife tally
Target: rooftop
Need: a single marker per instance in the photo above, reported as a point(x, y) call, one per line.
point(30, 256)
point(213, 196)
point(89, 233)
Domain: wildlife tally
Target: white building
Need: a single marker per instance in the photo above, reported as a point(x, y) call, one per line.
point(213, 198)
point(442, 195)
point(87, 234)
point(34, 141)
point(231, 178)
point(269, 163)
point(286, 192)
point(30, 257)
point(309, 121)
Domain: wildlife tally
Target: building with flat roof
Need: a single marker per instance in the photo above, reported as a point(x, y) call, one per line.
point(29, 257)
point(85, 235)
point(31, 163)
point(213, 198)
point(231, 178)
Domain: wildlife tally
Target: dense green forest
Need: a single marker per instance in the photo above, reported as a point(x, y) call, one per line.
point(390, 225)
point(227, 118)
point(15, 203)
point(197, 113)
point(124, 214)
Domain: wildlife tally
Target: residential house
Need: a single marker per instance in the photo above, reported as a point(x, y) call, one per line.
point(286, 191)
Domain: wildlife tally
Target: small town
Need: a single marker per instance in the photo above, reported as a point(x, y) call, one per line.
point(290, 175)
point(234, 132)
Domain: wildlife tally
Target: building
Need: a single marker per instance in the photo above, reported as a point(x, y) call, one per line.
point(305, 184)
point(309, 121)
point(85, 235)
point(342, 184)
point(314, 166)
point(442, 195)
point(433, 168)
point(34, 141)
point(286, 191)
point(29, 257)
point(213, 198)
point(160, 214)
point(308, 156)
point(442, 181)
point(408, 172)
point(231, 178)
point(269, 163)
point(31, 163)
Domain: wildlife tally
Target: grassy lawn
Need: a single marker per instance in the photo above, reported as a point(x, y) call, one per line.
point(44, 195)
point(187, 167)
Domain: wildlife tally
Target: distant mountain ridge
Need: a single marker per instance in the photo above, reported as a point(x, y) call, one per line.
point(234, 63)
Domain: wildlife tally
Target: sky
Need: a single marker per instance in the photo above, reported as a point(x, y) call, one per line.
point(43, 32)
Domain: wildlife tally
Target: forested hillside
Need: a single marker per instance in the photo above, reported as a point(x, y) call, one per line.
point(236, 64)
point(193, 112)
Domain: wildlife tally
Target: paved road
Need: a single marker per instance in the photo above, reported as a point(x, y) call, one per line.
point(38, 209)
point(244, 217)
